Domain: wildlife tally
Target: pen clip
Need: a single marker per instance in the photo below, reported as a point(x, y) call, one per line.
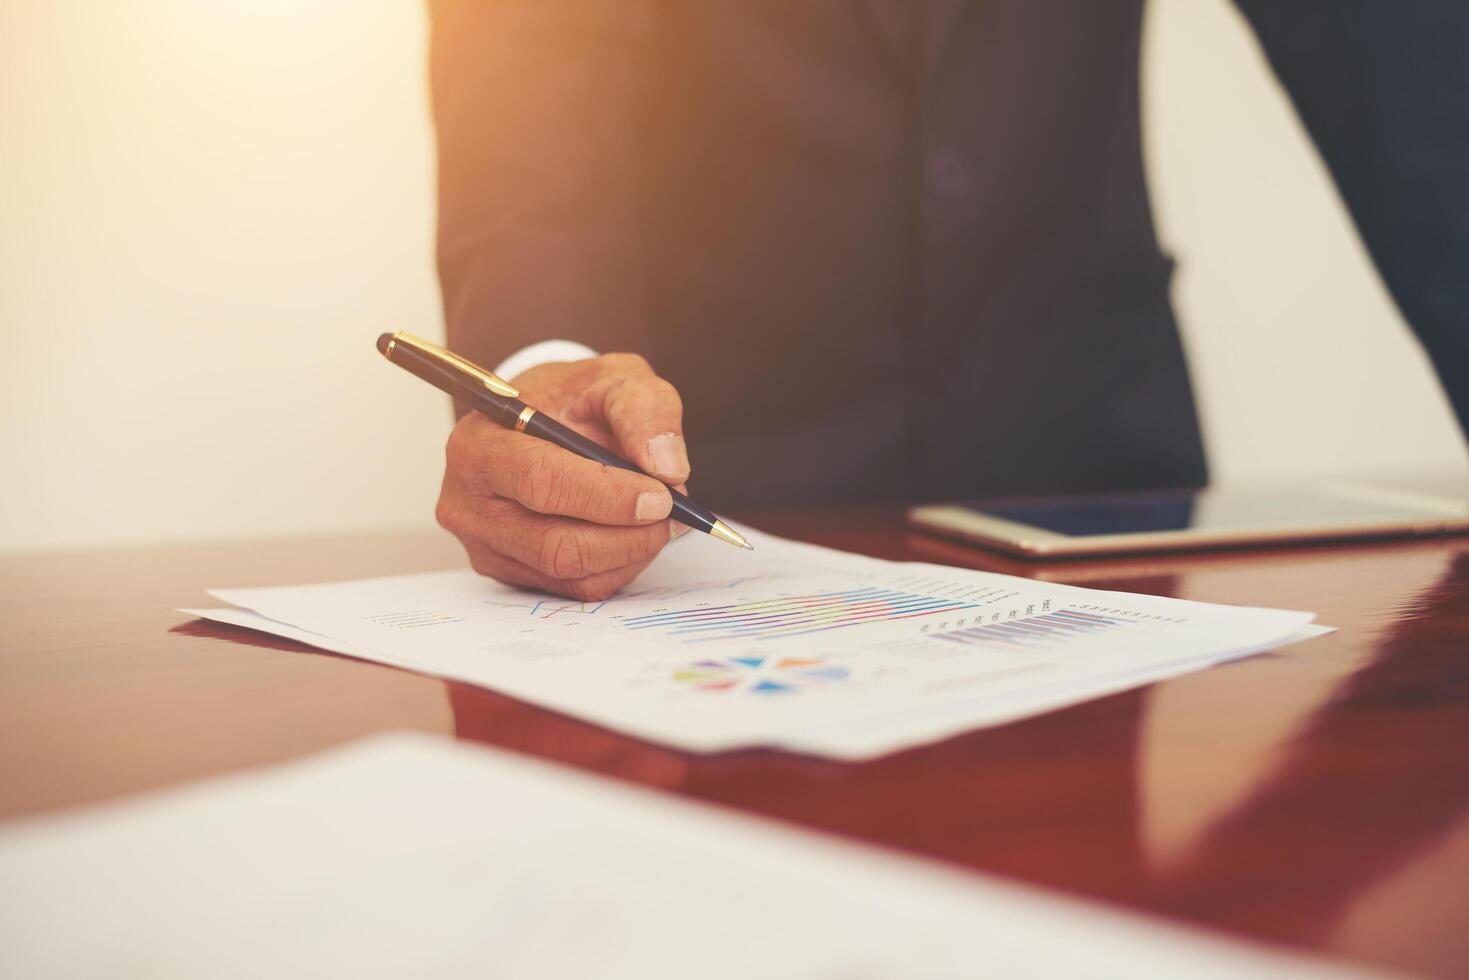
point(489, 379)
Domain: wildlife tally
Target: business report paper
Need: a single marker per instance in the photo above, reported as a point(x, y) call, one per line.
point(410, 856)
point(790, 645)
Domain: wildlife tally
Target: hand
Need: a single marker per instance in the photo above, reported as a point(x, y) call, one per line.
point(538, 516)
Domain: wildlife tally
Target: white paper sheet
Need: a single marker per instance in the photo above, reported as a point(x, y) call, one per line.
point(790, 645)
point(408, 856)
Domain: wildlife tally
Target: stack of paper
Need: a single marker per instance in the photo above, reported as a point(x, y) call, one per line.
point(407, 856)
point(790, 645)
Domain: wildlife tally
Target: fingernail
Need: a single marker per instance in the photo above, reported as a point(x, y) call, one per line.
point(670, 458)
point(675, 529)
point(652, 505)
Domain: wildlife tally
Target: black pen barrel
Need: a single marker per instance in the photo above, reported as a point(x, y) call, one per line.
point(498, 400)
point(453, 383)
point(685, 511)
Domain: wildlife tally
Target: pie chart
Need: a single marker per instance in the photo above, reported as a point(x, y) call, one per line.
point(760, 675)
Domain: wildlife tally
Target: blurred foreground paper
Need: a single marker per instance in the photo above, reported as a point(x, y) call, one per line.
point(790, 645)
point(407, 856)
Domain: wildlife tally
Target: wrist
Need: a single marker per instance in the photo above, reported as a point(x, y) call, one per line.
point(543, 352)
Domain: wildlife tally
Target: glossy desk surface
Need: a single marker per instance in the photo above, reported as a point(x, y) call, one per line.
point(1317, 796)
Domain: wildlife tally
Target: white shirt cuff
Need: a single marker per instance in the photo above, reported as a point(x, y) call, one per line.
point(545, 352)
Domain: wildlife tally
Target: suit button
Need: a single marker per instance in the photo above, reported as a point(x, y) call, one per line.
point(947, 175)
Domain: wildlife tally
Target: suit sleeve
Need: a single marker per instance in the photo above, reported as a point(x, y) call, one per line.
point(536, 104)
point(1383, 88)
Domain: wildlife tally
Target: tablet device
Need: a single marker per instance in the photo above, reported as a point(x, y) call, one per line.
point(1177, 520)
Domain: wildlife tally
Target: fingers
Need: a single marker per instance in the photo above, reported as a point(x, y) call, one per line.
point(559, 548)
point(592, 588)
point(496, 462)
point(645, 415)
point(534, 515)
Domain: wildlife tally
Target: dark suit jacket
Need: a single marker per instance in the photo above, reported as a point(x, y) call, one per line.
point(886, 256)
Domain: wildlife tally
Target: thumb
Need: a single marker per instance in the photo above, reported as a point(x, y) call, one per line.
point(645, 415)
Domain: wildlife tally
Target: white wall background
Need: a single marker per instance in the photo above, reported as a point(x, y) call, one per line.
point(1301, 361)
point(210, 208)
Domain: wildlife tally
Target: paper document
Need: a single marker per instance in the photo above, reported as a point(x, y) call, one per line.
point(408, 856)
point(790, 645)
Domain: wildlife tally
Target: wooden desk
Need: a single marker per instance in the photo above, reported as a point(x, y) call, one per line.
point(1318, 796)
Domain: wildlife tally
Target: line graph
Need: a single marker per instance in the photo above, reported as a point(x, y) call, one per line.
point(508, 608)
point(549, 608)
point(787, 616)
point(673, 592)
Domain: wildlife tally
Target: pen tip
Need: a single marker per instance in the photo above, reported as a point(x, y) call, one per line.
point(729, 535)
point(383, 341)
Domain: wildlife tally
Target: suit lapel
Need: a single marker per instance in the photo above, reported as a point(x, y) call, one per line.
point(887, 23)
point(941, 17)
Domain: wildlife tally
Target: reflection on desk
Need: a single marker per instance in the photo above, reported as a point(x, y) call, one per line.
point(1316, 796)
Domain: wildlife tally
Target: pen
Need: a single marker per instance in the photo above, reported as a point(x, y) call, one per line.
point(500, 401)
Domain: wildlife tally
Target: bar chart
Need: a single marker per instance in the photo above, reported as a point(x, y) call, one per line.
point(1046, 630)
point(795, 615)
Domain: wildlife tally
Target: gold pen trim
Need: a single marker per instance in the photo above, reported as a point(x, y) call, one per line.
point(489, 379)
point(729, 535)
point(524, 418)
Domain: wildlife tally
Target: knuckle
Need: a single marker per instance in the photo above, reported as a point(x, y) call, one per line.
point(624, 361)
point(482, 565)
point(665, 392)
point(447, 516)
point(535, 481)
point(483, 560)
point(459, 448)
point(454, 449)
point(575, 496)
point(562, 554)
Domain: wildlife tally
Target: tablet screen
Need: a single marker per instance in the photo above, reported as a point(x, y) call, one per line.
point(1211, 508)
